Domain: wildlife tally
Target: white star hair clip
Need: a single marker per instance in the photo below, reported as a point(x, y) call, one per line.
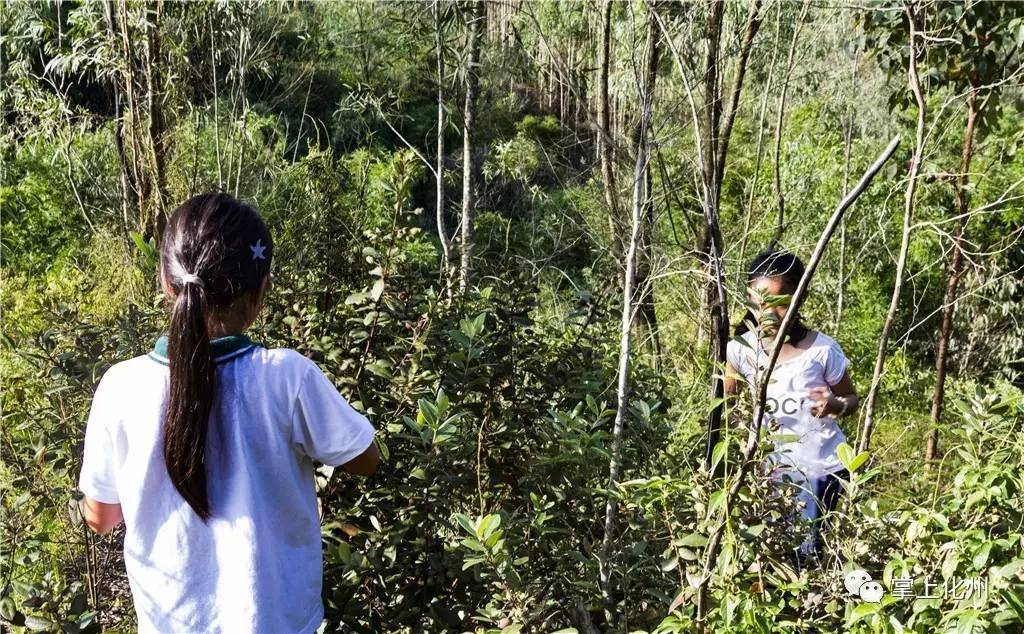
point(257, 250)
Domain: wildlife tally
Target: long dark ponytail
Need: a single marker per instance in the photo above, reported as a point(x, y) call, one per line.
point(215, 250)
point(784, 265)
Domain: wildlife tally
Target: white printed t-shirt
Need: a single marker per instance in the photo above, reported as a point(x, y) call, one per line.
point(256, 566)
point(813, 451)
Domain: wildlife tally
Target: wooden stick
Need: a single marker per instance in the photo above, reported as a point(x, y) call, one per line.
point(812, 264)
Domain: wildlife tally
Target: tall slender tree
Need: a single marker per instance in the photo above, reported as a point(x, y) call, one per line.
point(641, 195)
point(913, 81)
point(156, 126)
point(442, 232)
point(470, 169)
point(780, 196)
point(971, 54)
point(956, 266)
point(605, 142)
point(989, 54)
point(712, 141)
point(645, 259)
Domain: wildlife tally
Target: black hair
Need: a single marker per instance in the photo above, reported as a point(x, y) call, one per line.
point(784, 265)
point(215, 249)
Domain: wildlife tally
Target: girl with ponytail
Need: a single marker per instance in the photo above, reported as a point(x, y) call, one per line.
point(205, 448)
point(809, 389)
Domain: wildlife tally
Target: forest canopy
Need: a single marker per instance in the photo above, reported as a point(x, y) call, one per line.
point(516, 236)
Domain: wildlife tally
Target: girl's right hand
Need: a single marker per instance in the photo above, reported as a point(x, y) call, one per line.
point(823, 402)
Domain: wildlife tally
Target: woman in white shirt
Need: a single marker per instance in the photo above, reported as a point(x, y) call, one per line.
point(809, 389)
point(205, 447)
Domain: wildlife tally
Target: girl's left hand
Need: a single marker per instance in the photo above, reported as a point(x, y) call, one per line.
point(823, 402)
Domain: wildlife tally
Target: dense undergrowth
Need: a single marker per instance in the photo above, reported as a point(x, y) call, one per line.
point(494, 407)
point(494, 412)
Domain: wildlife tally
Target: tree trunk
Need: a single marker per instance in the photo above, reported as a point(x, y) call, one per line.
point(953, 282)
point(908, 214)
point(364, 49)
point(780, 198)
point(715, 298)
point(640, 196)
point(442, 232)
point(604, 138)
point(129, 189)
point(469, 170)
point(760, 147)
point(130, 83)
point(847, 146)
point(157, 129)
point(847, 150)
point(753, 24)
point(715, 152)
point(711, 160)
point(244, 36)
point(709, 251)
point(216, 108)
point(645, 258)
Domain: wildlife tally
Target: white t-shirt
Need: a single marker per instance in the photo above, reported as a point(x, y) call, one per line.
point(812, 451)
point(256, 566)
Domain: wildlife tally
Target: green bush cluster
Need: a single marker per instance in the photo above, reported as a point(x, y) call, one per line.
point(494, 406)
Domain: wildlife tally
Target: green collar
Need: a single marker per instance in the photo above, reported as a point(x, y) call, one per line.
point(222, 348)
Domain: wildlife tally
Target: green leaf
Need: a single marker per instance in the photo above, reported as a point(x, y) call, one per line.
point(717, 499)
point(469, 562)
point(465, 523)
point(863, 610)
point(858, 461)
point(678, 601)
point(693, 540)
point(39, 624)
point(950, 563)
point(742, 341)
point(850, 461)
point(380, 367)
point(784, 438)
point(981, 556)
point(1015, 600)
point(7, 609)
point(845, 454)
point(718, 453)
point(773, 301)
point(357, 298)
point(428, 412)
point(487, 525)
point(344, 552)
point(377, 290)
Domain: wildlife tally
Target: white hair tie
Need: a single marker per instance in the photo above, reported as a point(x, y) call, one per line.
point(191, 278)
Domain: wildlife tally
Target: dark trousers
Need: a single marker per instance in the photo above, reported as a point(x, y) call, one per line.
point(826, 491)
point(830, 491)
